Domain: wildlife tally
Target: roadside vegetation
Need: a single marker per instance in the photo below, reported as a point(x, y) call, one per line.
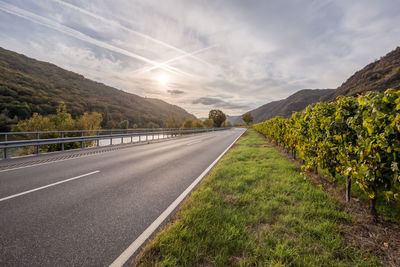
point(354, 138)
point(61, 121)
point(254, 208)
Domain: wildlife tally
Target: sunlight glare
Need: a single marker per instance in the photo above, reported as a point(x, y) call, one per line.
point(163, 79)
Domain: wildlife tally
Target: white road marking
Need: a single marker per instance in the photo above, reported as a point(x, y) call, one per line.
point(49, 162)
point(124, 257)
point(49, 185)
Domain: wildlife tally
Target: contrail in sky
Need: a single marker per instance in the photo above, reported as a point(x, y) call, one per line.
point(81, 36)
point(146, 69)
point(117, 24)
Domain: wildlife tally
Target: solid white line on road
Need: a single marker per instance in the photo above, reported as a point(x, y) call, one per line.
point(124, 257)
point(49, 185)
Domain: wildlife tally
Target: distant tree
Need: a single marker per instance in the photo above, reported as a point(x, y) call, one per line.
point(36, 123)
point(106, 118)
point(187, 124)
point(111, 124)
point(89, 121)
point(62, 120)
point(6, 122)
point(173, 121)
point(208, 123)
point(152, 125)
point(198, 124)
point(226, 124)
point(247, 118)
point(217, 116)
point(124, 124)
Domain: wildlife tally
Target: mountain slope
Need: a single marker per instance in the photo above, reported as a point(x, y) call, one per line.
point(377, 76)
point(28, 85)
point(234, 119)
point(285, 107)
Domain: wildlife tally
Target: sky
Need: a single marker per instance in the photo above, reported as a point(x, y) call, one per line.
point(233, 55)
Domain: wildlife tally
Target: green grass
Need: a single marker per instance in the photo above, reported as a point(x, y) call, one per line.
point(255, 209)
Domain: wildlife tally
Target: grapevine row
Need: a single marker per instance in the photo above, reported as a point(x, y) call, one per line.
point(358, 138)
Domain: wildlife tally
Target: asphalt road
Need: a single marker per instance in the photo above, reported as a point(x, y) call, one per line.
point(86, 211)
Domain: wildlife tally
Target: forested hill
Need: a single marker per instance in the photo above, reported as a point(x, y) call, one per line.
point(376, 76)
point(285, 107)
point(28, 85)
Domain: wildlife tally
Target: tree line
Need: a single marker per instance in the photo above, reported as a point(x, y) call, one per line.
point(358, 138)
point(63, 121)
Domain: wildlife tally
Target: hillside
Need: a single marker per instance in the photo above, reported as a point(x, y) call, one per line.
point(285, 107)
point(376, 76)
point(234, 119)
point(28, 85)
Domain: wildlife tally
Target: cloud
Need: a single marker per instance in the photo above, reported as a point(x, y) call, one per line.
point(175, 92)
point(81, 35)
point(216, 102)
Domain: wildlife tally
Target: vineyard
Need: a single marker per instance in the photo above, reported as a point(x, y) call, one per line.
point(358, 138)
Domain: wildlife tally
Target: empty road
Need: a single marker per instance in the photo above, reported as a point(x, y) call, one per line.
point(86, 210)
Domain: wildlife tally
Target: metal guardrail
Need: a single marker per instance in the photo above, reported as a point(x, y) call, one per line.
point(89, 135)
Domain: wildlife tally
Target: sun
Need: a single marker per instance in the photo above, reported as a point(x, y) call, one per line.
point(163, 79)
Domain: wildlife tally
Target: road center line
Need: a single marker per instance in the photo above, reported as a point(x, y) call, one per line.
point(124, 257)
point(49, 185)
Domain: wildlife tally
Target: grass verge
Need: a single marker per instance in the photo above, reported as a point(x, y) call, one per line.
point(254, 208)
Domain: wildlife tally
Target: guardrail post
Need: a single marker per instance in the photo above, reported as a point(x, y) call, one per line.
point(37, 147)
point(98, 138)
point(83, 142)
point(5, 149)
point(139, 138)
point(62, 144)
point(111, 138)
point(131, 139)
